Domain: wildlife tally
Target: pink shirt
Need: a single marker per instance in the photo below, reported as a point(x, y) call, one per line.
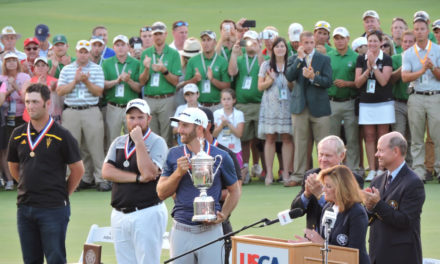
point(15, 96)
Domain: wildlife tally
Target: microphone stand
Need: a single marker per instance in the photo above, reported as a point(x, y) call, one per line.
point(326, 250)
point(264, 220)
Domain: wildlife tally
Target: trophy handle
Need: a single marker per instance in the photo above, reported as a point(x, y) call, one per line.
point(218, 167)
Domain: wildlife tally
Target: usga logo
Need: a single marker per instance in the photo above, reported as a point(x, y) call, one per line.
point(257, 259)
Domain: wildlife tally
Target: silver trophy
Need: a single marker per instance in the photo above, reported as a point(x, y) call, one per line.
point(202, 177)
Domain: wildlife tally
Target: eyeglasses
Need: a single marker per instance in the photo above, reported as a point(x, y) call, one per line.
point(180, 24)
point(145, 29)
point(33, 48)
point(386, 45)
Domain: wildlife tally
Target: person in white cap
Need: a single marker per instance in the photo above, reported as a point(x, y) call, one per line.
point(159, 73)
point(421, 65)
point(121, 73)
point(134, 163)
point(101, 31)
point(209, 71)
point(191, 94)
point(436, 29)
point(359, 45)
point(371, 22)
point(343, 94)
point(9, 38)
point(98, 47)
point(245, 69)
point(81, 83)
point(321, 33)
point(295, 30)
point(175, 180)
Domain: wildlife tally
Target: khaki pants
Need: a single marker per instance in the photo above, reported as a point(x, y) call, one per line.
point(402, 126)
point(161, 111)
point(87, 124)
point(304, 124)
point(344, 111)
point(115, 121)
point(420, 109)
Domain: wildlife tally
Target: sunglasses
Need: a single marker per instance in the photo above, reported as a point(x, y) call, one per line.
point(33, 48)
point(326, 25)
point(385, 46)
point(158, 28)
point(145, 29)
point(180, 24)
point(84, 43)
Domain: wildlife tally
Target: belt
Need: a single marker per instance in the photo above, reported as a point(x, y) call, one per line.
point(209, 104)
point(127, 210)
point(193, 228)
point(427, 92)
point(334, 99)
point(401, 100)
point(160, 96)
point(79, 107)
point(118, 105)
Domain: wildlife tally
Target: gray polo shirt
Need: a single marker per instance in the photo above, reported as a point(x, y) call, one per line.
point(411, 63)
point(80, 95)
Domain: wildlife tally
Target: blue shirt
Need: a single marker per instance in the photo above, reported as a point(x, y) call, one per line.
point(183, 210)
point(107, 53)
point(396, 171)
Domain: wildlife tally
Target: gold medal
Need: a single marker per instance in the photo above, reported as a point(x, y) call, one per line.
point(32, 154)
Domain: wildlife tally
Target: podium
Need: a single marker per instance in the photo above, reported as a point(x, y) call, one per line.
point(251, 249)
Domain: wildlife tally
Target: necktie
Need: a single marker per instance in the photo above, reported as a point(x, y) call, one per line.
point(389, 178)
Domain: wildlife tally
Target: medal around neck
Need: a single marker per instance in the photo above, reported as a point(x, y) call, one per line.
point(202, 177)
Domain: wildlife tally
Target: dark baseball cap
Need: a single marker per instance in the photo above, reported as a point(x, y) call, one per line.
point(41, 32)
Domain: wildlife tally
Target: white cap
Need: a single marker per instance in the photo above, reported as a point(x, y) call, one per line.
point(358, 42)
point(193, 116)
point(370, 13)
point(323, 24)
point(121, 38)
point(421, 13)
point(139, 104)
point(295, 30)
point(83, 44)
point(97, 39)
point(190, 87)
point(251, 34)
point(158, 27)
point(436, 24)
point(9, 55)
point(43, 59)
point(209, 33)
point(9, 30)
point(341, 31)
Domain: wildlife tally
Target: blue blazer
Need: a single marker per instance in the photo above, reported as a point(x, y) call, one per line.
point(305, 93)
point(395, 221)
point(350, 230)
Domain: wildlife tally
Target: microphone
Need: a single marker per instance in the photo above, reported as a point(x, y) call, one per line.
point(285, 217)
point(329, 218)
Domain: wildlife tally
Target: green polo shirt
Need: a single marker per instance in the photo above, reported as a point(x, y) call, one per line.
point(109, 67)
point(171, 60)
point(400, 89)
point(328, 48)
point(290, 50)
point(398, 49)
point(343, 67)
point(252, 95)
point(225, 51)
point(219, 72)
point(60, 67)
point(432, 38)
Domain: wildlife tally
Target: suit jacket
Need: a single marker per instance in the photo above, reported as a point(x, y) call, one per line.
point(350, 230)
point(313, 209)
point(395, 221)
point(305, 93)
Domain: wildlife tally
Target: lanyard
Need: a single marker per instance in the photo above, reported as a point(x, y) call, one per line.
point(154, 58)
point(224, 53)
point(34, 144)
point(249, 68)
point(117, 69)
point(204, 65)
point(422, 61)
point(129, 152)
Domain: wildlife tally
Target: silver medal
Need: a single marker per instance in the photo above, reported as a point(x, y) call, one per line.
point(126, 164)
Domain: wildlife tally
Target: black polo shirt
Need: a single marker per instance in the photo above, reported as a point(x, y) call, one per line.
point(128, 195)
point(42, 181)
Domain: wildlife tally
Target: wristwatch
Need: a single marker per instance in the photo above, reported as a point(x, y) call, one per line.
point(375, 67)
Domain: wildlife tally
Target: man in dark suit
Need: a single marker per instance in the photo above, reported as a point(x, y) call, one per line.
point(331, 152)
point(310, 106)
point(394, 202)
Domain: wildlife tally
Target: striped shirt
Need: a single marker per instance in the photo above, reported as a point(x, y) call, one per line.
point(80, 95)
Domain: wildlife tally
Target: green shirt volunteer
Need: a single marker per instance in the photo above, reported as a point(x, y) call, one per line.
point(59, 67)
point(400, 89)
point(246, 86)
point(343, 67)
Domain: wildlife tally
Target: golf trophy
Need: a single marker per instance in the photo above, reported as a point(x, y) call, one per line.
point(202, 176)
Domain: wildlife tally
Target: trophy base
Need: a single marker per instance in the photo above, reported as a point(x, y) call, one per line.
point(204, 218)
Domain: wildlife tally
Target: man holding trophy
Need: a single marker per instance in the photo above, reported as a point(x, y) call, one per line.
point(194, 172)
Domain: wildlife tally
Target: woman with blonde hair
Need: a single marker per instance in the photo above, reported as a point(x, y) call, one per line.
point(343, 196)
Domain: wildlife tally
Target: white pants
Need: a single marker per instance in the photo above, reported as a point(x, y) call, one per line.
point(184, 238)
point(138, 235)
